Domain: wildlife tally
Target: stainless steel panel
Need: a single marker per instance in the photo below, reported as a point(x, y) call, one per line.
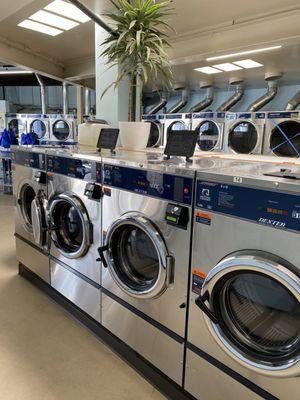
point(33, 259)
point(166, 308)
point(76, 289)
point(151, 343)
point(87, 264)
point(206, 382)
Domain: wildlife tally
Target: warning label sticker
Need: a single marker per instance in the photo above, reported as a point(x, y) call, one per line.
point(203, 217)
point(198, 278)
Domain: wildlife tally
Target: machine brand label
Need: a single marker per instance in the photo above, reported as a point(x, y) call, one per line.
point(203, 218)
point(283, 114)
point(270, 208)
point(260, 115)
point(198, 278)
point(244, 116)
point(149, 183)
point(204, 115)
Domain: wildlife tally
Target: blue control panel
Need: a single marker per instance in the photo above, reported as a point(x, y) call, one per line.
point(283, 114)
point(74, 168)
point(149, 183)
point(28, 159)
point(178, 116)
point(270, 208)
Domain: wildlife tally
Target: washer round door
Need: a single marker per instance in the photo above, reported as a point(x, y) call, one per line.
point(243, 137)
point(138, 259)
point(209, 135)
point(285, 139)
point(26, 196)
point(61, 130)
point(70, 227)
point(39, 128)
point(251, 303)
point(155, 135)
point(38, 217)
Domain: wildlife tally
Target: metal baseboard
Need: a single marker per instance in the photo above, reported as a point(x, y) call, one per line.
point(160, 381)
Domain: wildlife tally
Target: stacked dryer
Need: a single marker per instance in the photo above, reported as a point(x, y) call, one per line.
point(244, 132)
point(210, 127)
point(63, 129)
point(176, 122)
point(39, 124)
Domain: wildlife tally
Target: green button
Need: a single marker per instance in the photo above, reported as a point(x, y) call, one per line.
point(171, 219)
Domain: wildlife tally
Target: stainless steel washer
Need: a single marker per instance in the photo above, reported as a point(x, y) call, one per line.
point(74, 213)
point(244, 319)
point(30, 198)
point(147, 211)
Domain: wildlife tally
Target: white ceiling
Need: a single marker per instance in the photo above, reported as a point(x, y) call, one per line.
point(195, 22)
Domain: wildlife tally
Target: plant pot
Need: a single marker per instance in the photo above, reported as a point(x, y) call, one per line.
point(134, 135)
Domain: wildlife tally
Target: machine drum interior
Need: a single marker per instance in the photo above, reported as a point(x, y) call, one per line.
point(154, 135)
point(61, 130)
point(259, 316)
point(285, 139)
point(243, 138)
point(135, 258)
point(27, 197)
point(68, 227)
point(39, 128)
point(208, 135)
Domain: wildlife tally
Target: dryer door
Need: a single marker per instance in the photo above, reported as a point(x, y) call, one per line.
point(70, 226)
point(39, 223)
point(251, 302)
point(243, 137)
point(61, 130)
point(285, 139)
point(209, 135)
point(138, 259)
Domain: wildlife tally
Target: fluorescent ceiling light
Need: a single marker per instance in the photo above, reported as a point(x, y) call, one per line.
point(68, 10)
point(242, 53)
point(227, 67)
point(208, 70)
point(54, 20)
point(14, 72)
point(36, 26)
point(248, 64)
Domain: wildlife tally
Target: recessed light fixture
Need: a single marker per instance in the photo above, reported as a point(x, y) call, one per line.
point(242, 53)
point(248, 64)
point(36, 26)
point(14, 72)
point(53, 20)
point(67, 10)
point(227, 67)
point(208, 70)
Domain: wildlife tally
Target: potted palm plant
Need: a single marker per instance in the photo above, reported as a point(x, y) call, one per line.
point(137, 46)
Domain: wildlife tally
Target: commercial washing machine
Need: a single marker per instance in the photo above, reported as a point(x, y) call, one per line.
point(30, 198)
point(176, 122)
point(147, 217)
point(74, 213)
point(40, 125)
point(282, 137)
point(211, 130)
point(63, 129)
point(17, 123)
point(156, 137)
point(244, 314)
point(244, 133)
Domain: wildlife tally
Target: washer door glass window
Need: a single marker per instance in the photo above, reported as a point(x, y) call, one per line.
point(154, 135)
point(256, 304)
point(26, 197)
point(243, 137)
point(285, 139)
point(61, 130)
point(39, 128)
point(138, 258)
point(208, 135)
point(70, 227)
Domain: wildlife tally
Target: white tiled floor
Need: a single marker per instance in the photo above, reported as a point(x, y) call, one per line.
point(44, 353)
